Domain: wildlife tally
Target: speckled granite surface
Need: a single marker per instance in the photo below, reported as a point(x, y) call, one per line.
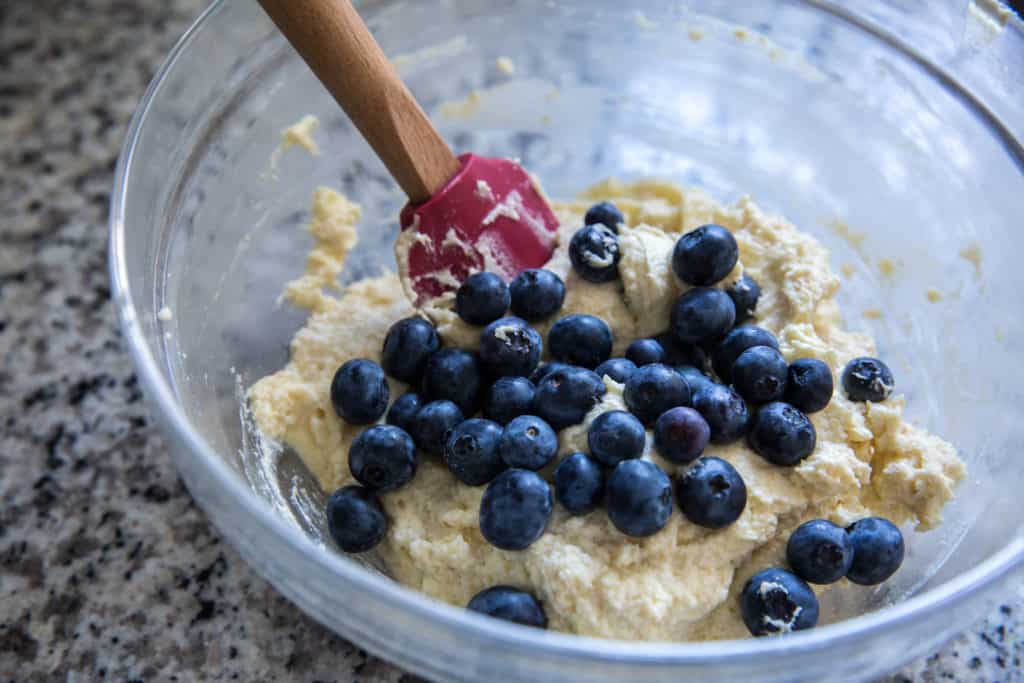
point(108, 570)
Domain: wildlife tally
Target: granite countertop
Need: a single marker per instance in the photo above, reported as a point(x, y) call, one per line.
point(108, 570)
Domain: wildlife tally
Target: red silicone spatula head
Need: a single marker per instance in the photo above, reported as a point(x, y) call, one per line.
point(489, 216)
point(465, 214)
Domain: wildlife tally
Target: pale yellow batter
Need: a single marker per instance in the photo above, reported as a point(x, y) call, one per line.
point(682, 582)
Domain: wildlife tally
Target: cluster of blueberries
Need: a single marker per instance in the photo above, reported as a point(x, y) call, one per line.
point(867, 552)
point(667, 386)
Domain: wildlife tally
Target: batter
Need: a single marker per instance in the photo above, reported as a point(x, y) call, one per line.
point(681, 583)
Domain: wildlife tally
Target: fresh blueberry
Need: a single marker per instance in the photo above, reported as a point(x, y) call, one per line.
point(359, 391)
point(819, 551)
point(695, 378)
point(510, 604)
point(407, 346)
point(579, 484)
point(528, 442)
point(430, 426)
point(725, 411)
point(653, 389)
point(565, 396)
point(781, 434)
point(546, 369)
point(736, 342)
point(594, 252)
point(510, 347)
point(867, 379)
point(759, 374)
point(471, 451)
point(645, 352)
point(356, 519)
point(681, 434)
point(404, 409)
point(382, 458)
point(638, 497)
point(537, 294)
point(712, 493)
point(744, 294)
point(877, 550)
point(453, 375)
point(776, 601)
point(580, 339)
point(515, 508)
point(705, 255)
point(702, 314)
point(619, 369)
point(809, 385)
point(605, 213)
point(680, 353)
point(481, 298)
point(616, 436)
point(508, 397)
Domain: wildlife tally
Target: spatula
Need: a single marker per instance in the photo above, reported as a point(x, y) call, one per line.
point(467, 213)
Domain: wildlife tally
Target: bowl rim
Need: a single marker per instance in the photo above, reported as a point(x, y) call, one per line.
point(161, 397)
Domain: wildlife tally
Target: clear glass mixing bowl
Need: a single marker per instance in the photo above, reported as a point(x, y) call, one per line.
point(884, 133)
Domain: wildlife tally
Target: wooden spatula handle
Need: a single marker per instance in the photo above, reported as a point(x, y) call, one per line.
point(337, 46)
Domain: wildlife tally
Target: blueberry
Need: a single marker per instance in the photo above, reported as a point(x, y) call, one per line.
point(471, 451)
point(565, 396)
point(695, 378)
point(355, 519)
point(616, 436)
point(528, 442)
point(619, 369)
point(725, 411)
point(877, 550)
point(702, 314)
point(653, 389)
point(638, 497)
point(481, 298)
point(744, 294)
point(382, 458)
point(681, 353)
point(605, 213)
point(736, 342)
point(453, 375)
point(760, 374)
point(781, 434)
point(514, 510)
point(809, 385)
point(777, 601)
point(508, 397)
point(546, 369)
point(645, 352)
point(712, 493)
point(681, 434)
point(407, 346)
point(705, 255)
point(594, 252)
point(510, 604)
point(359, 391)
point(579, 484)
point(404, 409)
point(510, 347)
point(537, 294)
point(819, 551)
point(867, 379)
point(430, 426)
point(581, 340)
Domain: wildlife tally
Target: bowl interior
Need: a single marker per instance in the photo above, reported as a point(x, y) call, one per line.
point(816, 118)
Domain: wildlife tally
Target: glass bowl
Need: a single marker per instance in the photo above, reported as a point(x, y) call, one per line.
point(884, 133)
